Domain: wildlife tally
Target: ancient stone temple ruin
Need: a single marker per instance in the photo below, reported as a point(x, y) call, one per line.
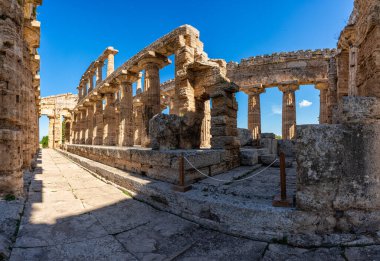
point(20, 91)
point(116, 127)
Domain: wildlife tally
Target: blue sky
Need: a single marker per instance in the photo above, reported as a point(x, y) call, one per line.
point(74, 33)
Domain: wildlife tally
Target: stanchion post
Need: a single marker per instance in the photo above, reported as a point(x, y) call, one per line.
point(181, 187)
point(282, 200)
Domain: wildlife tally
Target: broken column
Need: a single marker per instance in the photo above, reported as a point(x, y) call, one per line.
point(289, 110)
point(206, 126)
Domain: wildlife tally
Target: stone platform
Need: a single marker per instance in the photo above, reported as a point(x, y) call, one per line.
point(241, 209)
point(156, 164)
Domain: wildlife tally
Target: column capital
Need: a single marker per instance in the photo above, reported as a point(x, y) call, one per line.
point(289, 86)
point(155, 58)
point(322, 85)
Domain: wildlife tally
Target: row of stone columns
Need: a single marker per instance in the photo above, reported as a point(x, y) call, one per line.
point(288, 108)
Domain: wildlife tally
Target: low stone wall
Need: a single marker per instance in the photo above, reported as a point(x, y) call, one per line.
point(160, 165)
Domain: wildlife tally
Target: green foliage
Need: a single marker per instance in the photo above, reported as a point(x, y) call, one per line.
point(10, 197)
point(278, 137)
point(45, 142)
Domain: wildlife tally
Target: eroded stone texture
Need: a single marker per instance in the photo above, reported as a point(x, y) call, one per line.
point(19, 85)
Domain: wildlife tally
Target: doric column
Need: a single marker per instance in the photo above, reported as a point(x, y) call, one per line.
point(98, 126)
point(83, 126)
point(332, 96)
point(99, 72)
point(254, 112)
point(151, 63)
point(51, 131)
point(110, 52)
point(79, 92)
point(289, 111)
point(138, 87)
point(343, 74)
point(91, 83)
point(206, 126)
point(84, 89)
point(323, 88)
point(137, 120)
point(126, 114)
point(109, 128)
point(89, 123)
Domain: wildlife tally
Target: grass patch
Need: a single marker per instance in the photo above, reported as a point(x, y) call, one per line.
point(127, 193)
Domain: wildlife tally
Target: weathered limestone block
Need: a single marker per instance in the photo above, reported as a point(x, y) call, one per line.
point(245, 137)
point(358, 110)
point(165, 131)
point(287, 147)
point(270, 144)
point(319, 158)
point(338, 170)
point(248, 157)
point(175, 132)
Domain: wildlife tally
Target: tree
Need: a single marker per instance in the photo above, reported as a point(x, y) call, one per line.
point(45, 142)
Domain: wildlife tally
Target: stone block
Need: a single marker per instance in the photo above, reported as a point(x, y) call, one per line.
point(245, 137)
point(268, 136)
point(287, 147)
point(270, 144)
point(249, 157)
point(267, 159)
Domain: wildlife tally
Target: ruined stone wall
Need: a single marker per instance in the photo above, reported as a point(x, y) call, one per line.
point(338, 164)
point(19, 85)
point(55, 108)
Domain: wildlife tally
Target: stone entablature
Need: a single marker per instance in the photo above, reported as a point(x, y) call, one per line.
point(306, 67)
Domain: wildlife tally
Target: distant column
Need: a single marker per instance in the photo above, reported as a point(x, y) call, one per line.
point(99, 73)
point(206, 126)
point(110, 52)
point(254, 112)
point(289, 111)
point(89, 125)
point(126, 114)
point(98, 119)
point(51, 131)
point(323, 88)
point(83, 126)
point(138, 87)
point(109, 130)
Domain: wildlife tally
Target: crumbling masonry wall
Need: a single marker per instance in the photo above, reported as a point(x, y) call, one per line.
point(338, 164)
point(19, 89)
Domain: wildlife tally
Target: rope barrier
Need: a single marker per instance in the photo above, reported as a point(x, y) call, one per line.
point(220, 180)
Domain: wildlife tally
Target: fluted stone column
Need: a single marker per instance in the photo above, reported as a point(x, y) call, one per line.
point(332, 96)
point(353, 68)
point(89, 125)
point(254, 112)
point(323, 88)
point(51, 131)
point(98, 126)
point(137, 121)
point(126, 114)
point(109, 128)
point(99, 73)
point(289, 111)
point(151, 99)
point(110, 52)
point(206, 126)
point(138, 86)
point(83, 126)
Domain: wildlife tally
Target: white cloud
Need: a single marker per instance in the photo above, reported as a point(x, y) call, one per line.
point(276, 110)
point(305, 103)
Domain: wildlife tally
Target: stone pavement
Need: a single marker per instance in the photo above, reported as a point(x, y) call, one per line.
point(72, 215)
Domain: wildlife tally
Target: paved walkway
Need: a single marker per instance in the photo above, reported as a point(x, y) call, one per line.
point(71, 215)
